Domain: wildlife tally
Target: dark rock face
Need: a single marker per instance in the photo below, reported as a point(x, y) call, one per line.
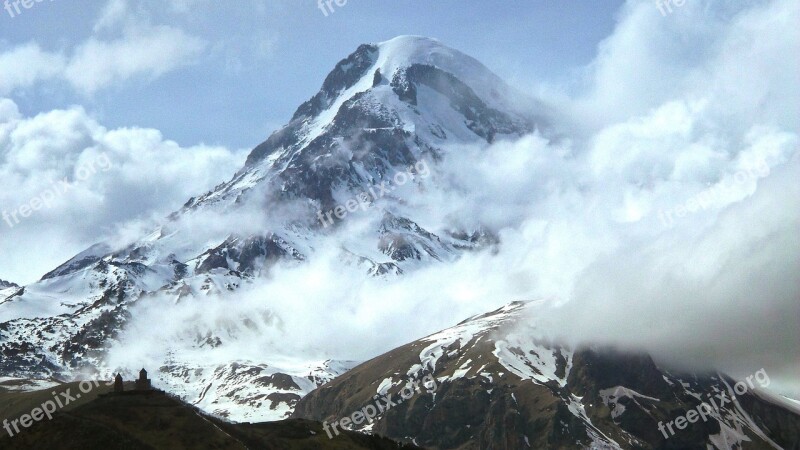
point(92, 325)
point(247, 254)
point(90, 340)
point(783, 428)
point(480, 118)
point(19, 356)
point(346, 74)
point(402, 239)
point(79, 262)
point(498, 391)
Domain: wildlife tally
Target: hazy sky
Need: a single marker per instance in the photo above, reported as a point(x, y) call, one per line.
point(227, 73)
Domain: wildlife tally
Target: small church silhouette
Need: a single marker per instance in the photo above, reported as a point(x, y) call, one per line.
point(142, 384)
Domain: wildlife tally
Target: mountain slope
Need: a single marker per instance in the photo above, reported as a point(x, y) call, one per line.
point(6, 289)
point(500, 387)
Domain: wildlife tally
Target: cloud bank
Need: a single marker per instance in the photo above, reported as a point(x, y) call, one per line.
point(147, 177)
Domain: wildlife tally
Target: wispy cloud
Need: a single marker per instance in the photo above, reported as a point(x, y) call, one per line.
point(107, 58)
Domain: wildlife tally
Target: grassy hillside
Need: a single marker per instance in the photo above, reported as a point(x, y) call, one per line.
point(14, 402)
point(154, 420)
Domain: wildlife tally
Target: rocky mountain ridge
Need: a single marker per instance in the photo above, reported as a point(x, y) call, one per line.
point(499, 386)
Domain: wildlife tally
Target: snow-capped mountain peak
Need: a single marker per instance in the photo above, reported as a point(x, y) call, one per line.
point(383, 109)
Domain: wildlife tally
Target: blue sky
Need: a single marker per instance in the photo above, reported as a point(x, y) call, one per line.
point(251, 63)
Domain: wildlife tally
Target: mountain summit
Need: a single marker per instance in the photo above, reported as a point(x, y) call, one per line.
point(383, 108)
point(389, 75)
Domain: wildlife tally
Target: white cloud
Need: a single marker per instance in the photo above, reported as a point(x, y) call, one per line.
point(106, 58)
point(717, 49)
point(151, 52)
point(113, 13)
point(678, 106)
point(148, 176)
point(27, 64)
point(187, 6)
